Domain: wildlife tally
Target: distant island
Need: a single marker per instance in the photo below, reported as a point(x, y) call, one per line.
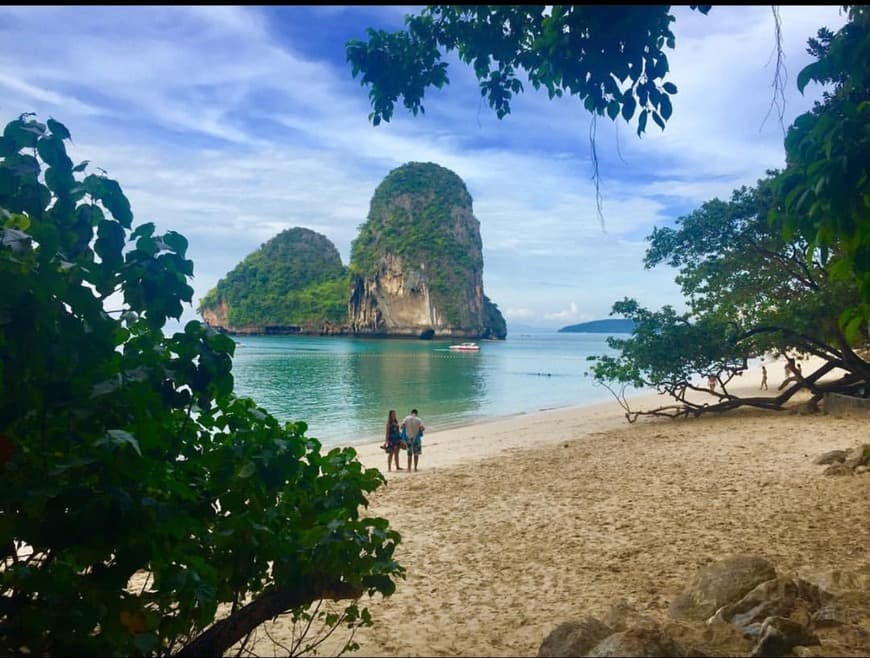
point(614, 326)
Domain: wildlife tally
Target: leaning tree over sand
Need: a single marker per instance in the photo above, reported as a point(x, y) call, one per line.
point(750, 292)
point(144, 509)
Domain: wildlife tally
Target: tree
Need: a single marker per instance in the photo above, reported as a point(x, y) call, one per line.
point(612, 59)
point(750, 292)
point(825, 190)
point(145, 509)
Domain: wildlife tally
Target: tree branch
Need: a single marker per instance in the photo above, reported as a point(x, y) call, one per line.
point(812, 345)
point(727, 402)
point(218, 638)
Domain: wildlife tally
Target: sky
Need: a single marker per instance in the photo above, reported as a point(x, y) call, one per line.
point(230, 124)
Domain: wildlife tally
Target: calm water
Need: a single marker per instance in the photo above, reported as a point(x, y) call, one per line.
point(344, 387)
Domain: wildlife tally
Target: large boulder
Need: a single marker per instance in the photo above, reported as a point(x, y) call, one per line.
point(574, 638)
point(720, 583)
point(642, 641)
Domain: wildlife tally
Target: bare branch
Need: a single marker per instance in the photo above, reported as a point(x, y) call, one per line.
point(780, 76)
point(596, 174)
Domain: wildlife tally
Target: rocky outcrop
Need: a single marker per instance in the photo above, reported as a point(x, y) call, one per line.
point(851, 461)
point(395, 301)
point(418, 264)
point(294, 283)
point(416, 270)
point(217, 315)
point(738, 606)
point(718, 583)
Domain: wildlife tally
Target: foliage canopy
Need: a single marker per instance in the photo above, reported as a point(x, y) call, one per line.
point(612, 58)
point(825, 189)
point(144, 508)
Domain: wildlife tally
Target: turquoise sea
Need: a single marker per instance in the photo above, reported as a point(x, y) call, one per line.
point(344, 387)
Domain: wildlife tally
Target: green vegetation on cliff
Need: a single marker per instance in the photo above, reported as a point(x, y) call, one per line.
point(421, 213)
point(296, 278)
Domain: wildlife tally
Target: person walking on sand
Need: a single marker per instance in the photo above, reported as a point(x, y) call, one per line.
point(413, 427)
point(763, 386)
point(392, 441)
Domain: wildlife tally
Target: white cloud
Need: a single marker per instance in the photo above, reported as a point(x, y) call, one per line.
point(564, 316)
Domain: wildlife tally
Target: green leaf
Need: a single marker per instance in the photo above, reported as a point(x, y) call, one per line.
point(24, 134)
point(58, 129)
point(665, 107)
point(176, 242)
point(807, 73)
point(143, 230)
point(7, 146)
point(110, 242)
point(8, 182)
point(628, 105)
point(52, 151)
point(119, 438)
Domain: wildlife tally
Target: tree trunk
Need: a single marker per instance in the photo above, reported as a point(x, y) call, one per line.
point(219, 637)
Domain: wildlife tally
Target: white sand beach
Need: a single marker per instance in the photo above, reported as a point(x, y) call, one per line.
point(514, 525)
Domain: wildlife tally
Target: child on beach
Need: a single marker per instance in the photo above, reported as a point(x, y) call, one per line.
point(763, 386)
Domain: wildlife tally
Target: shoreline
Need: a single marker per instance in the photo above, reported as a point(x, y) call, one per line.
point(482, 420)
point(446, 446)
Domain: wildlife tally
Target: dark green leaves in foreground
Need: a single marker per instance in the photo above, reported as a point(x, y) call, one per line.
point(138, 496)
point(611, 58)
point(825, 188)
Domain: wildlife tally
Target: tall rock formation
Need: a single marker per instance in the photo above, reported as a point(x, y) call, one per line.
point(417, 263)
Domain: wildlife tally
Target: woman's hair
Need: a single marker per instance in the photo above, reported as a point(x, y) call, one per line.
point(391, 414)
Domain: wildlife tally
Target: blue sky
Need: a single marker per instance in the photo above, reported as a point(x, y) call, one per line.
point(231, 124)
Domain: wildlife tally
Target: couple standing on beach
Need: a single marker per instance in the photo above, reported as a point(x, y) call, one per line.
point(408, 435)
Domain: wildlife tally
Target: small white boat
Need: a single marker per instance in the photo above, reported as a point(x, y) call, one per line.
point(465, 347)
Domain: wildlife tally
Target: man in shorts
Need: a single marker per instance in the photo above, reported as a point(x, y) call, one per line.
point(413, 427)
